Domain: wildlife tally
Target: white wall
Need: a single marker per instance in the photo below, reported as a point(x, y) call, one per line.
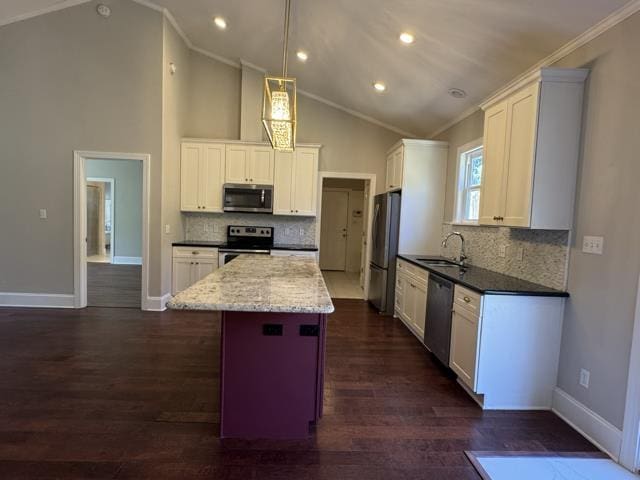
point(127, 222)
point(72, 80)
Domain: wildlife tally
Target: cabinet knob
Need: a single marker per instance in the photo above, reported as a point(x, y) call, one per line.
point(467, 299)
point(195, 253)
point(296, 211)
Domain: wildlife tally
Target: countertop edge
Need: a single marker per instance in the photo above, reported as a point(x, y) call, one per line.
point(249, 309)
point(522, 293)
point(212, 244)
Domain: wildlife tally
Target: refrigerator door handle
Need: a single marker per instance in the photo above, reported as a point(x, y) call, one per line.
point(374, 229)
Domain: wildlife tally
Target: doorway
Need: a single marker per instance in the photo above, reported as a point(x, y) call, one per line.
point(342, 234)
point(111, 229)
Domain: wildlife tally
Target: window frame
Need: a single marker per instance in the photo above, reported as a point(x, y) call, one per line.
point(462, 173)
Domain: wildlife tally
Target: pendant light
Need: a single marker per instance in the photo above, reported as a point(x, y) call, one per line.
point(279, 101)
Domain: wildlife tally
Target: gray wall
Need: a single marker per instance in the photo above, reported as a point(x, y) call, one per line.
point(127, 175)
point(71, 80)
point(175, 114)
point(599, 315)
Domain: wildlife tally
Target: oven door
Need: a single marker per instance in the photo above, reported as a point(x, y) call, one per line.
point(248, 198)
point(226, 255)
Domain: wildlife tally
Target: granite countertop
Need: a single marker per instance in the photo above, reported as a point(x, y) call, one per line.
point(259, 283)
point(485, 281)
point(275, 246)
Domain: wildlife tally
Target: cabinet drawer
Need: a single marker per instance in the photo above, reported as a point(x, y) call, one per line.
point(468, 299)
point(195, 252)
point(417, 273)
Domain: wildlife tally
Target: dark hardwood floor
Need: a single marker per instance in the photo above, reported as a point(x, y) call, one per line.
point(111, 285)
point(119, 393)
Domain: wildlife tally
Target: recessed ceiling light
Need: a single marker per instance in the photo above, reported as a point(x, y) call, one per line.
point(457, 93)
point(406, 37)
point(220, 22)
point(379, 86)
point(302, 55)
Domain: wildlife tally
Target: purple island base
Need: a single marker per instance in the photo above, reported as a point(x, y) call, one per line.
point(272, 374)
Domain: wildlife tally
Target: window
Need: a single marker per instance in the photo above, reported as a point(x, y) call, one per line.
point(469, 182)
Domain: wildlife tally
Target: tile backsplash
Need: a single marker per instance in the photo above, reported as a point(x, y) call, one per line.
point(539, 256)
point(213, 226)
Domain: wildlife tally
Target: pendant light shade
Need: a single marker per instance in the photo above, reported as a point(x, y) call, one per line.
point(279, 112)
point(279, 101)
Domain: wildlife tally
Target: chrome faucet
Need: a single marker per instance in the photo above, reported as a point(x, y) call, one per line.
point(463, 256)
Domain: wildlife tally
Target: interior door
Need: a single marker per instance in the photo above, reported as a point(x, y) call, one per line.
point(260, 169)
point(333, 231)
point(283, 183)
point(521, 151)
point(493, 175)
point(212, 177)
point(95, 219)
point(189, 173)
point(236, 164)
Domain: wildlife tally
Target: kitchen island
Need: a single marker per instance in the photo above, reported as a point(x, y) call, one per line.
point(273, 330)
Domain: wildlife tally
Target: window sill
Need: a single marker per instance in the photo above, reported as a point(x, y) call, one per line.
point(463, 223)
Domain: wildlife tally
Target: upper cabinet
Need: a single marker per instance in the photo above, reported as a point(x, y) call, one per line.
point(531, 151)
point(296, 182)
point(395, 167)
point(202, 170)
point(249, 164)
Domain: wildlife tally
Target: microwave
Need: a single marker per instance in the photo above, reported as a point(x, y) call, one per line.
point(247, 198)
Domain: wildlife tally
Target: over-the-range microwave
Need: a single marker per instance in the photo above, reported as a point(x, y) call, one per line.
point(247, 198)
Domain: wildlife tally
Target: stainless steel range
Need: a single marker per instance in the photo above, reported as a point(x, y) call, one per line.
point(245, 239)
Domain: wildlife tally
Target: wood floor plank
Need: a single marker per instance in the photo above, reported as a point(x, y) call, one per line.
point(111, 285)
point(105, 393)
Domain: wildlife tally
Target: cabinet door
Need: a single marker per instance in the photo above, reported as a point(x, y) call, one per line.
point(399, 294)
point(390, 172)
point(464, 346)
point(409, 301)
point(305, 182)
point(420, 308)
point(283, 183)
point(212, 174)
point(523, 108)
point(236, 164)
point(204, 268)
point(493, 177)
point(189, 185)
point(181, 277)
point(398, 168)
point(260, 169)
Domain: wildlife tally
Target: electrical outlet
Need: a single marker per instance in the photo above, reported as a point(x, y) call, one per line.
point(585, 377)
point(301, 232)
point(593, 245)
point(520, 253)
point(216, 228)
point(502, 251)
point(43, 213)
point(287, 231)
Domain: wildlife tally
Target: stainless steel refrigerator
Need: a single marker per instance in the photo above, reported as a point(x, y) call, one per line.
point(384, 248)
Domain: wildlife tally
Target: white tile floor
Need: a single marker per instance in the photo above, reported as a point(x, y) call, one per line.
point(343, 284)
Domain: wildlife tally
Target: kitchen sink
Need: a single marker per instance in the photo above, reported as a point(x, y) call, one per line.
point(437, 263)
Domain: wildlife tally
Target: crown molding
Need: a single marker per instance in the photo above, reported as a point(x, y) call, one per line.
point(595, 31)
point(43, 11)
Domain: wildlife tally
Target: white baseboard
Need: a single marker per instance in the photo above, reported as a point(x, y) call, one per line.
point(158, 304)
point(117, 260)
point(595, 428)
point(37, 300)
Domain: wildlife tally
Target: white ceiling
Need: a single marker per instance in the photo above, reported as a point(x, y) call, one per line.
point(476, 45)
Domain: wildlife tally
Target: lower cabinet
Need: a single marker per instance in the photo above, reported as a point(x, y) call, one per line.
point(464, 345)
point(191, 265)
point(411, 297)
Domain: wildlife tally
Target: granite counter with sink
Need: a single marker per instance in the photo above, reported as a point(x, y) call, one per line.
point(479, 279)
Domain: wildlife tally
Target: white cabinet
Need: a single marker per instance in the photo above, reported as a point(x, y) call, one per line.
point(465, 325)
point(531, 151)
point(296, 182)
point(191, 265)
point(202, 168)
point(395, 169)
point(249, 164)
point(411, 296)
point(294, 253)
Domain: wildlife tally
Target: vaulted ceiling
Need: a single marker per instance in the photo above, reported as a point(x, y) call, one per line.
point(474, 45)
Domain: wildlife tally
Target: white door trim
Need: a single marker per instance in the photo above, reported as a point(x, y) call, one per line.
point(630, 450)
point(112, 182)
point(370, 180)
point(80, 221)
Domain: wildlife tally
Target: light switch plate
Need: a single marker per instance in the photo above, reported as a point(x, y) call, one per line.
point(43, 213)
point(167, 228)
point(593, 245)
point(585, 376)
point(502, 251)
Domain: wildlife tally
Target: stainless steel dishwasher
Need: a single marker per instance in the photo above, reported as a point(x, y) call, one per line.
point(437, 328)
